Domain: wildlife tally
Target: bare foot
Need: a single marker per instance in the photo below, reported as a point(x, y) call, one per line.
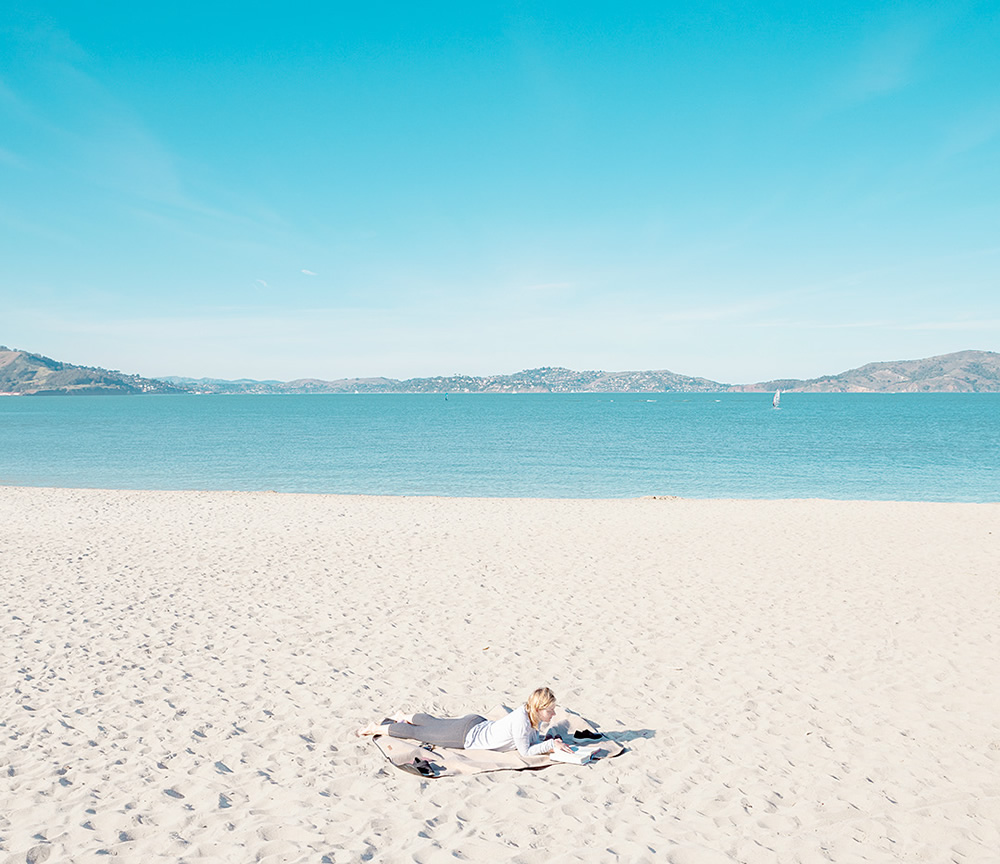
point(370, 729)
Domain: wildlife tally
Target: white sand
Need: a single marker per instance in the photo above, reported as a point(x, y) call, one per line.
point(807, 681)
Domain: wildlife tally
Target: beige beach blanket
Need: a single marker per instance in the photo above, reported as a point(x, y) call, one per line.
point(433, 762)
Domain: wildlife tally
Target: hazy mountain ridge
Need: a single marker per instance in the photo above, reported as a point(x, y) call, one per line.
point(965, 371)
point(547, 379)
point(961, 372)
point(24, 373)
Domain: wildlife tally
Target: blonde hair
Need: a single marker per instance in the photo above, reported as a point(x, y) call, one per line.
point(541, 699)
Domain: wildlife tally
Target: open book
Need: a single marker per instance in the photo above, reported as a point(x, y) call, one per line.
point(581, 755)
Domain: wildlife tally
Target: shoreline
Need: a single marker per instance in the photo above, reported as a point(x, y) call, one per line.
point(801, 679)
point(432, 496)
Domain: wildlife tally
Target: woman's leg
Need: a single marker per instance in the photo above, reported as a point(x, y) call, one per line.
point(439, 731)
point(374, 728)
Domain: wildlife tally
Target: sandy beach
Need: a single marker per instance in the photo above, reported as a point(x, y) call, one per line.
point(796, 681)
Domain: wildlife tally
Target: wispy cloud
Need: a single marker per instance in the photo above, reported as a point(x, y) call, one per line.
point(885, 65)
point(548, 286)
point(9, 158)
point(97, 143)
point(714, 312)
point(16, 221)
point(973, 130)
point(977, 325)
point(972, 326)
point(888, 59)
point(102, 139)
point(309, 273)
point(885, 60)
point(720, 342)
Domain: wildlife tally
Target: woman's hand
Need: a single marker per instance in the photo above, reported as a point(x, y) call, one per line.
point(559, 744)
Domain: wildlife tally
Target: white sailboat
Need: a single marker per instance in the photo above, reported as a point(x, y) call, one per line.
point(776, 401)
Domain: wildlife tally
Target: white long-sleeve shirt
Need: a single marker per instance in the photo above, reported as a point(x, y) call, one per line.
point(511, 732)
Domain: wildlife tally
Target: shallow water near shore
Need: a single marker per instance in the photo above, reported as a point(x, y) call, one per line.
point(932, 447)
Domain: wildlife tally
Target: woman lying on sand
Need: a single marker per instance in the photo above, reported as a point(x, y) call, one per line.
point(518, 730)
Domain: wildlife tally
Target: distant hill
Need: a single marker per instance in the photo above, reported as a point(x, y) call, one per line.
point(548, 379)
point(32, 374)
point(962, 372)
point(965, 371)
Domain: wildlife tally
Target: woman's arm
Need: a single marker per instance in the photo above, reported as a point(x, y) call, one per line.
point(513, 732)
point(526, 739)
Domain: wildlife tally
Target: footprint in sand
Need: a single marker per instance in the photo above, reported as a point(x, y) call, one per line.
point(38, 854)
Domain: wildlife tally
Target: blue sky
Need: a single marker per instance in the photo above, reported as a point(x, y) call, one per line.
point(735, 190)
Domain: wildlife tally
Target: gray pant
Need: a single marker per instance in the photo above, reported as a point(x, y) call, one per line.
point(439, 731)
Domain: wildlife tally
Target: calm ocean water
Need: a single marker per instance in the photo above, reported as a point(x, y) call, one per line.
point(929, 447)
